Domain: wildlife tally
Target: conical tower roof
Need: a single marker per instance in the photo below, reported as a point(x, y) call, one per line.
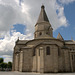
point(60, 37)
point(43, 16)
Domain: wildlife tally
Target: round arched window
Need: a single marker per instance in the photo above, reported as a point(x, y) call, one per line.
point(40, 33)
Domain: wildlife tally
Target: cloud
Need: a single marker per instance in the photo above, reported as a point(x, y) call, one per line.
point(11, 13)
point(66, 1)
point(51, 7)
point(7, 44)
point(27, 13)
point(7, 58)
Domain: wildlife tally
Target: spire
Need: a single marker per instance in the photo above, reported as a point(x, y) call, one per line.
point(60, 37)
point(42, 17)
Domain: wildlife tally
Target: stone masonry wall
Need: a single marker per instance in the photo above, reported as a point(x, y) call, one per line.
point(67, 60)
point(51, 61)
point(61, 60)
point(28, 60)
point(21, 61)
point(16, 62)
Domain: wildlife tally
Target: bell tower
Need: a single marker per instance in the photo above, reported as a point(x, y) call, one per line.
point(43, 26)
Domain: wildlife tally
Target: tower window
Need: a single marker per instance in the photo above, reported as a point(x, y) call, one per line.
point(40, 33)
point(48, 50)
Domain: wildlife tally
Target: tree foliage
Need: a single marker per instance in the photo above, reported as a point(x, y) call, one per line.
point(1, 60)
point(9, 64)
point(4, 65)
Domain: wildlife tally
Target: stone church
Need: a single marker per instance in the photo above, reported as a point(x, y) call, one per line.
point(44, 53)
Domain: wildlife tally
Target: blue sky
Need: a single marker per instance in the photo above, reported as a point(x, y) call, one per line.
point(19, 28)
point(18, 19)
point(69, 31)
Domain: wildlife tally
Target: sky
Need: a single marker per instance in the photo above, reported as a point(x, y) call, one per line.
point(18, 18)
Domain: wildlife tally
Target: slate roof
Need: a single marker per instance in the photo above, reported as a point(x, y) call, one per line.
point(43, 16)
point(22, 41)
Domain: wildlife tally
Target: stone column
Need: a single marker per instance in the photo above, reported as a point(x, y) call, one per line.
point(67, 60)
point(16, 62)
point(71, 61)
point(41, 60)
point(13, 64)
point(21, 61)
point(37, 60)
point(55, 56)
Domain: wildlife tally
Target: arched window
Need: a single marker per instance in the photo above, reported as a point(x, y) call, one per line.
point(40, 33)
point(48, 50)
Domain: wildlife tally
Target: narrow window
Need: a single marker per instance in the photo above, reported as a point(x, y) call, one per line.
point(58, 52)
point(72, 57)
point(34, 52)
point(48, 50)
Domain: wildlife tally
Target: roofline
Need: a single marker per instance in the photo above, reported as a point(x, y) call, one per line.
point(69, 44)
point(45, 39)
point(42, 22)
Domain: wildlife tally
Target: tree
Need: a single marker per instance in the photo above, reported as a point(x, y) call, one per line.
point(1, 60)
point(9, 64)
point(3, 65)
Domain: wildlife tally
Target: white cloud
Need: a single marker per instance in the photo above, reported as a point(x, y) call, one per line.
point(62, 19)
point(7, 58)
point(66, 1)
point(12, 13)
point(7, 44)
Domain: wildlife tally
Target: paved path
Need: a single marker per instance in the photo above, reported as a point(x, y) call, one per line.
point(23, 73)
